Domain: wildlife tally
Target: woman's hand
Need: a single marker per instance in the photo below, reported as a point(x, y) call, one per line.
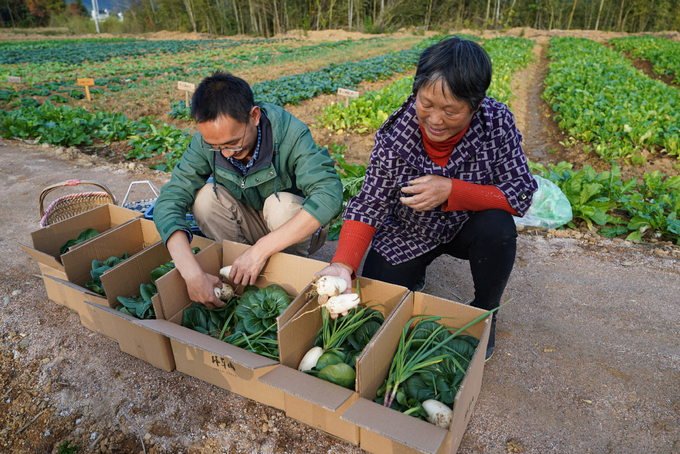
point(429, 192)
point(340, 270)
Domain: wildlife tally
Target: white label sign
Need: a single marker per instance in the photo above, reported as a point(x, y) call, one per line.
point(186, 86)
point(348, 93)
point(14, 79)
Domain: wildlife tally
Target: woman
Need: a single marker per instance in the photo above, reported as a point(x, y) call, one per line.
point(445, 177)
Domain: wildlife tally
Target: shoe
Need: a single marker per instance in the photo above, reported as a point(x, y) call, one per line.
point(490, 347)
point(420, 285)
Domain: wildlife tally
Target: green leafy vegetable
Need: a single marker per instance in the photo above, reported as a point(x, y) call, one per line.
point(83, 236)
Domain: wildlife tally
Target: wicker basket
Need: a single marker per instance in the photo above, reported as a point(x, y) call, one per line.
point(72, 204)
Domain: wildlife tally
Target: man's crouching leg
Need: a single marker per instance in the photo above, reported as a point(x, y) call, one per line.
point(222, 217)
point(277, 211)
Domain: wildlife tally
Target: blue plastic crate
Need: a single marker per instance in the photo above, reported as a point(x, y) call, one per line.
point(148, 214)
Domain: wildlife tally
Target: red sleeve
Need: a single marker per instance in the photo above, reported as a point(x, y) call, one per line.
point(466, 196)
point(355, 237)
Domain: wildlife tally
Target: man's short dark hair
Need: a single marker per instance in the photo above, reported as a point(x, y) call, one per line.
point(222, 94)
point(462, 65)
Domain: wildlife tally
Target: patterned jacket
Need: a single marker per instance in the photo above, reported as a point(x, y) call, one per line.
point(490, 153)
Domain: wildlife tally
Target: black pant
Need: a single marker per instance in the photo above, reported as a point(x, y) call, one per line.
point(488, 240)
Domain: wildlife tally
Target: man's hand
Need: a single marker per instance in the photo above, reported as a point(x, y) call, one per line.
point(340, 270)
point(247, 266)
point(200, 285)
point(201, 289)
point(429, 192)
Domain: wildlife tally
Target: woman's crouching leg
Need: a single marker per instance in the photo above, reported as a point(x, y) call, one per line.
point(222, 217)
point(489, 240)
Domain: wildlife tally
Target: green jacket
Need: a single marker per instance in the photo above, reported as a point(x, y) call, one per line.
point(288, 161)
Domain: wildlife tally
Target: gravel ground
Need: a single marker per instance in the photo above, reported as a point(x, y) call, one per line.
point(587, 358)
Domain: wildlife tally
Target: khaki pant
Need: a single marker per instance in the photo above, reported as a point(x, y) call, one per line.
point(225, 218)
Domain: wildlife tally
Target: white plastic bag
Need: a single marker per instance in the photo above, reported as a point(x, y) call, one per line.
point(549, 209)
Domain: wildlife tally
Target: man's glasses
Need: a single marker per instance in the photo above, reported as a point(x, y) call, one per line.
point(230, 149)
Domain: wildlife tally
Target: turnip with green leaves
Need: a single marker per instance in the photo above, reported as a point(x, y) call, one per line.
point(329, 291)
point(338, 344)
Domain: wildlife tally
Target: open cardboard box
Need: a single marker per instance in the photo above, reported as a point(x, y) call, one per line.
point(383, 430)
point(308, 399)
point(131, 237)
point(48, 240)
point(211, 360)
point(125, 280)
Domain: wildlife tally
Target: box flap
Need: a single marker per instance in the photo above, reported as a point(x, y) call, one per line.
point(173, 290)
point(293, 273)
point(307, 387)
point(206, 343)
point(149, 232)
point(127, 238)
point(466, 398)
point(125, 278)
point(374, 362)
point(84, 290)
point(42, 257)
point(112, 311)
point(119, 215)
point(407, 430)
point(297, 336)
point(102, 218)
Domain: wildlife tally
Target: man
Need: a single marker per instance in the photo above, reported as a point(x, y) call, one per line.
point(272, 188)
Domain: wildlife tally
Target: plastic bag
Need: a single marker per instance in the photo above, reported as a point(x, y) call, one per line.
point(549, 209)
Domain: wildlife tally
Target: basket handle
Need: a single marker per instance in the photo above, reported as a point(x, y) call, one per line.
point(73, 182)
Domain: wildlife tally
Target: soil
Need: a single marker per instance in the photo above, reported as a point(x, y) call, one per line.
point(587, 357)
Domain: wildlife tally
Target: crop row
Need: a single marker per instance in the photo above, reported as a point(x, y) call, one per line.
point(663, 53)
point(295, 88)
point(75, 126)
point(70, 52)
point(68, 126)
point(372, 108)
point(200, 66)
point(647, 210)
point(601, 98)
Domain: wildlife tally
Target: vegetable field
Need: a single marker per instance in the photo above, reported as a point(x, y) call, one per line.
point(605, 109)
point(589, 302)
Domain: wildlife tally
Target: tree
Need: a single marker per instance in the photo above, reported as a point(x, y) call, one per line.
point(42, 10)
point(76, 8)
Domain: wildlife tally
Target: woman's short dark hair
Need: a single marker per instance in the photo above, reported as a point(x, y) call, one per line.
point(462, 65)
point(222, 94)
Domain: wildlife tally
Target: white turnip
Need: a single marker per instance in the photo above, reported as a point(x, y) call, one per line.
point(438, 413)
point(310, 359)
point(225, 293)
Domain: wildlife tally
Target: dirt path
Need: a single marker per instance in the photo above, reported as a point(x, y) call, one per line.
point(587, 356)
point(532, 113)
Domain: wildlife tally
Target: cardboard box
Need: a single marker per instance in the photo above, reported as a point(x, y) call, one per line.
point(308, 399)
point(210, 359)
point(125, 280)
point(48, 240)
point(131, 237)
point(383, 430)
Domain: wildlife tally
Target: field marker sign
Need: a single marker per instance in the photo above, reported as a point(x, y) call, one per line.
point(87, 83)
point(14, 80)
point(347, 94)
point(186, 87)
